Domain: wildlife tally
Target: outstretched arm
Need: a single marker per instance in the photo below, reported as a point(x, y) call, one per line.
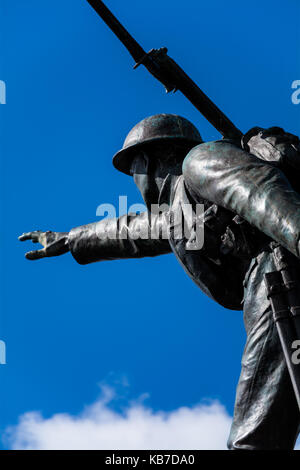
point(129, 236)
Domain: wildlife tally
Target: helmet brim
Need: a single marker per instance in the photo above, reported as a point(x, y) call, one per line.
point(122, 160)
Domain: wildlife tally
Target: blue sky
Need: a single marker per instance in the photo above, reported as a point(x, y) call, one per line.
point(138, 326)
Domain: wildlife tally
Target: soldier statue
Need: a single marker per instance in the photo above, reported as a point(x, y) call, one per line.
point(251, 205)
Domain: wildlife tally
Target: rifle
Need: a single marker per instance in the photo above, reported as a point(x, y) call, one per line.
point(169, 73)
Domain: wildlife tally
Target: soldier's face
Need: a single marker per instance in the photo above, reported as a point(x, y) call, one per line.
point(150, 167)
point(145, 175)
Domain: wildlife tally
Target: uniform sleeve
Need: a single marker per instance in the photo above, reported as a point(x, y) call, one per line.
point(129, 236)
point(248, 186)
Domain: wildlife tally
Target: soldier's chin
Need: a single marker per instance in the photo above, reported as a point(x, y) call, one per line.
point(150, 197)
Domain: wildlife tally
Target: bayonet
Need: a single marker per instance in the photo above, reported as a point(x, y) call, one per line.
point(169, 73)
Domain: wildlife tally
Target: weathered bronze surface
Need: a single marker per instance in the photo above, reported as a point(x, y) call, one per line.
point(249, 204)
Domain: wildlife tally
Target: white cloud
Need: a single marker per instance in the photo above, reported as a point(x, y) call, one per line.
point(205, 426)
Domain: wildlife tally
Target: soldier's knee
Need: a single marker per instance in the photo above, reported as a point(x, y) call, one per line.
point(234, 443)
point(231, 444)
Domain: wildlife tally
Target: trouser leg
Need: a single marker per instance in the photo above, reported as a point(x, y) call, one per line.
point(266, 415)
point(226, 175)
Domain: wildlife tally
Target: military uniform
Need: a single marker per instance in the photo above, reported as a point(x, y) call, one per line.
point(248, 203)
point(266, 414)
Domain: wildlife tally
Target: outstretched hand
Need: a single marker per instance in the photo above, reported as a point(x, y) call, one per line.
point(54, 243)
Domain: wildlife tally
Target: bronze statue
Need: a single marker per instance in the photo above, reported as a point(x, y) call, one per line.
point(249, 188)
point(249, 204)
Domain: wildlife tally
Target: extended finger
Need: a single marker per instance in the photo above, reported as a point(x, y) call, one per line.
point(38, 254)
point(34, 236)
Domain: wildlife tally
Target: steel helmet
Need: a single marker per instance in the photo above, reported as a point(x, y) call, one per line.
point(159, 127)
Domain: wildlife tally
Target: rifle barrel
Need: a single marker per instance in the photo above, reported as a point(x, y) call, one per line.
point(169, 73)
point(133, 47)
